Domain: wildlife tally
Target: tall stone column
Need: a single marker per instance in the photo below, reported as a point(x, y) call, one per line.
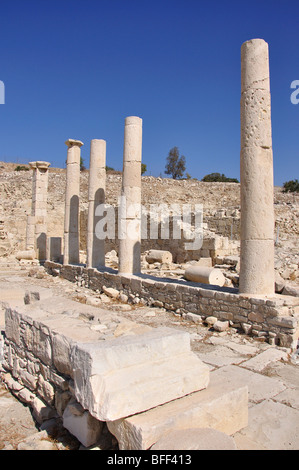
point(72, 192)
point(129, 226)
point(36, 236)
point(96, 196)
point(257, 201)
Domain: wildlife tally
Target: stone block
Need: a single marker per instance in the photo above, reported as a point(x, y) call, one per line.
point(221, 325)
point(31, 297)
point(12, 326)
point(271, 426)
point(195, 439)
point(27, 254)
point(160, 256)
point(38, 342)
point(262, 360)
point(134, 373)
point(81, 424)
point(259, 386)
point(61, 354)
point(221, 406)
point(41, 411)
point(61, 401)
point(205, 275)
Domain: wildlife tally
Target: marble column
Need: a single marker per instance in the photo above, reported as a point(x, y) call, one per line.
point(72, 193)
point(129, 226)
point(257, 201)
point(96, 196)
point(36, 236)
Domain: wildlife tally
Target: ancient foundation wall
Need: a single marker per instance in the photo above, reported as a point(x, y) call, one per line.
point(213, 244)
point(63, 368)
point(36, 365)
point(226, 226)
point(276, 319)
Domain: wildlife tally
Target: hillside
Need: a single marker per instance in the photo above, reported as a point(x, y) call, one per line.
point(221, 206)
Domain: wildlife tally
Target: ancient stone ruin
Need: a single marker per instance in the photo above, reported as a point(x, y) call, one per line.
point(143, 384)
point(257, 212)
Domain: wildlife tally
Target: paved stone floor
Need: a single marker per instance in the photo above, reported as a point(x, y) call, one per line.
point(271, 373)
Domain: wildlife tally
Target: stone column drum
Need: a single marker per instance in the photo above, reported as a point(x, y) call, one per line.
point(36, 236)
point(72, 192)
point(257, 202)
point(129, 226)
point(96, 196)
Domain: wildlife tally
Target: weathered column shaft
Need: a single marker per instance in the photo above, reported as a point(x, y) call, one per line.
point(72, 193)
point(36, 236)
point(130, 207)
point(96, 196)
point(257, 209)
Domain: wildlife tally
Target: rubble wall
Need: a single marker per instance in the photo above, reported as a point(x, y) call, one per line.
point(276, 319)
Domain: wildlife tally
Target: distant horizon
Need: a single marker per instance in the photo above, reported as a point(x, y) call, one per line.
point(153, 176)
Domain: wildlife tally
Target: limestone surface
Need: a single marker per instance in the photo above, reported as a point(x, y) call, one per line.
point(195, 439)
point(222, 406)
point(135, 373)
point(256, 170)
point(205, 275)
point(72, 192)
point(95, 249)
point(130, 207)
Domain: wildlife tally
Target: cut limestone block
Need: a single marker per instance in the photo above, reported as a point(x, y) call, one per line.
point(159, 256)
point(135, 373)
point(271, 426)
point(195, 439)
point(222, 406)
point(26, 254)
point(205, 275)
point(81, 424)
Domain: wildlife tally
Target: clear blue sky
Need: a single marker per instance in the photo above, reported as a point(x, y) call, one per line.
point(76, 68)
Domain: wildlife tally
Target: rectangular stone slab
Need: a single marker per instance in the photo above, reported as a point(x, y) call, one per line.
point(131, 374)
point(222, 406)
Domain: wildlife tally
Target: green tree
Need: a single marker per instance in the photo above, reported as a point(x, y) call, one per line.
point(82, 167)
point(21, 168)
point(176, 164)
point(291, 186)
point(217, 177)
point(143, 168)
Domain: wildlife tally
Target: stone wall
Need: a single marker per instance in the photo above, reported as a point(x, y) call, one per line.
point(275, 318)
point(93, 380)
point(222, 223)
point(213, 245)
point(39, 372)
point(35, 372)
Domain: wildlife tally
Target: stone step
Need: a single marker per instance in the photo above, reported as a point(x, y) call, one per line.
point(135, 373)
point(195, 439)
point(9, 263)
point(9, 267)
point(222, 406)
point(9, 272)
